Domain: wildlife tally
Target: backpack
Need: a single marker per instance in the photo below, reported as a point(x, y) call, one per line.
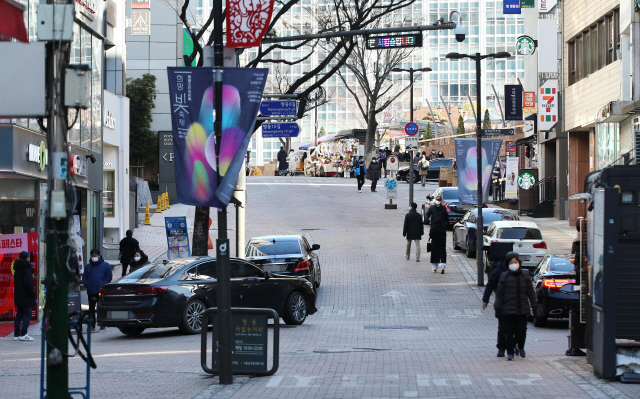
point(424, 164)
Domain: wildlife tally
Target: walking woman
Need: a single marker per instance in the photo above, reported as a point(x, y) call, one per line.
point(360, 170)
point(438, 236)
point(374, 173)
point(515, 297)
point(423, 167)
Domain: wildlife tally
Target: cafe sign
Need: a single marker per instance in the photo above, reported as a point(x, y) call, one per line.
point(38, 154)
point(78, 165)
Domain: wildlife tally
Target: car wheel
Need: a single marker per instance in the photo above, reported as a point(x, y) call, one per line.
point(295, 309)
point(488, 266)
point(468, 251)
point(192, 317)
point(455, 243)
point(131, 331)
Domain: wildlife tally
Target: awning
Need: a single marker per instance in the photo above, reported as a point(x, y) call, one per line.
point(12, 21)
point(306, 147)
point(525, 140)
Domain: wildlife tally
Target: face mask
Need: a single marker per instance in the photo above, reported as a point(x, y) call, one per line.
point(94, 259)
point(514, 267)
point(438, 202)
point(137, 258)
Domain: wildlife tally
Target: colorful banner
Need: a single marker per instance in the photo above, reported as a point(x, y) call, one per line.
point(192, 107)
point(177, 237)
point(10, 247)
point(511, 178)
point(513, 102)
point(466, 160)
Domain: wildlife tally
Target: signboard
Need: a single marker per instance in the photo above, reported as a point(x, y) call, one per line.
point(392, 163)
point(525, 45)
point(249, 343)
point(526, 180)
point(78, 165)
point(287, 129)
point(391, 185)
point(466, 160)
point(187, 44)
point(279, 108)
point(511, 188)
point(547, 46)
point(511, 7)
point(513, 102)
point(510, 148)
point(411, 129)
point(546, 5)
point(548, 105)
point(529, 99)
point(38, 154)
point(527, 3)
point(75, 304)
point(10, 247)
point(411, 143)
point(139, 3)
point(177, 237)
point(497, 132)
point(247, 22)
point(396, 41)
point(141, 22)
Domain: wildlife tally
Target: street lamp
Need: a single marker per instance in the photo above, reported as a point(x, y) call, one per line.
point(480, 239)
point(411, 71)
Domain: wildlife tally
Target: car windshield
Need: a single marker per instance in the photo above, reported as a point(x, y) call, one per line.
point(489, 217)
point(163, 270)
point(561, 265)
point(272, 247)
point(519, 233)
point(450, 195)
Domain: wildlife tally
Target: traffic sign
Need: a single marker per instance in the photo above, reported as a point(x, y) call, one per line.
point(392, 163)
point(288, 129)
point(411, 129)
point(391, 184)
point(411, 143)
point(279, 108)
point(497, 132)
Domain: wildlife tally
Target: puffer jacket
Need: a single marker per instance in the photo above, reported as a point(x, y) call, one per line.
point(514, 294)
point(23, 288)
point(96, 274)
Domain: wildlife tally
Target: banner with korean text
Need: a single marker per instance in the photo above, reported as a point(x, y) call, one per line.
point(466, 161)
point(10, 247)
point(511, 178)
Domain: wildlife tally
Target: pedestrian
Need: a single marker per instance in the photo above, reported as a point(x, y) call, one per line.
point(360, 170)
point(413, 230)
point(491, 286)
point(438, 237)
point(440, 154)
point(139, 259)
point(96, 274)
point(383, 160)
point(515, 298)
point(128, 247)
point(374, 173)
point(24, 296)
point(283, 164)
point(437, 210)
point(292, 160)
point(423, 168)
point(433, 154)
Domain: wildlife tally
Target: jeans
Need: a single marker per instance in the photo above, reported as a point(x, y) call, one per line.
point(21, 323)
point(360, 179)
point(516, 330)
point(417, 248)
point(93, 301)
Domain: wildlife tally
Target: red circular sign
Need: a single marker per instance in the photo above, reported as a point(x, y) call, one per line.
point(411, 129)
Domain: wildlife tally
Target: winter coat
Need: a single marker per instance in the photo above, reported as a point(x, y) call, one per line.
point(144, 259)
point(374, 170)
point(413, 228)
point(282, 160)
point(492, 282)
point(423, 171)
point(128, 247)
point(359, 168)
point(438, 245)
point(440, 155)
point(435, 212)
point(23, 289)
point(416, 160)
point(515, 293)
point(96, 274)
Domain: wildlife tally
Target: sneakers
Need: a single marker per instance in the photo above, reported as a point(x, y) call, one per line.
point(522, 353)
point(500, 352)
point(510, 357)
point(406, 257)
point(16, 338)
point(359, 191)
point(26, 337)
point(435, 271)
point(442, 272)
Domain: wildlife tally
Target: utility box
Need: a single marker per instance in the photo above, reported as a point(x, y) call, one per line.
point(77, 86)
point(55, 22)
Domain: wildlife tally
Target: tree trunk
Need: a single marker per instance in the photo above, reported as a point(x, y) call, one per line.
point(201, 231)
point(370, 138)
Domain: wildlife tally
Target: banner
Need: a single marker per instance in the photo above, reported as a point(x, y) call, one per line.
point(548, 105)
point(192, 107)
point(177, 237)
point(511, 7)
point(513, 102)
point(247, 22)
point(466, 160)
point(10, 247)
point(511, 178)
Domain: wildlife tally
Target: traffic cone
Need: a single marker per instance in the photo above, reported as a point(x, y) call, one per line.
point(167, 194)
point(210, 244)
point(147, 221)
point(159, 205)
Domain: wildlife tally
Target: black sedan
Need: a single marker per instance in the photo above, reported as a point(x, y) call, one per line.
point(556, 289)
point(286, 255)
point(432, 174)
point(177, 292)
point(465, 230)
point(450, 199)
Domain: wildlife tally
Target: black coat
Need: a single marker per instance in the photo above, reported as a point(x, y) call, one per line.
point(435, 212)
point(144, 259)
point(374, 170)
point(515, 294)
point(492, 282)
point(438, 245)
point(413, 228)
point(128, 247)
point(23, 289)
point(282, 160)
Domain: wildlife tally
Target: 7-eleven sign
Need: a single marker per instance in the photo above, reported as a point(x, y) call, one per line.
point(548, 105)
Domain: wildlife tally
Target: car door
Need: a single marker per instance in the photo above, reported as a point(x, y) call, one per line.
point(458, 229)
point(252, 290)
point(206, 282)
point(311, 255)
point(469, 232)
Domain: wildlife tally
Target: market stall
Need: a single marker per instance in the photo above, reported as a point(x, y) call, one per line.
point(331, 158)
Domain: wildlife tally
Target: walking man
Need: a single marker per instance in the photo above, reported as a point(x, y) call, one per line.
point(128, 247)
point(413, 230)
point(24, 296)
point(491, 286)
point(96, 274)
point(283, 164)
point(383, 160)
point(374, 173)
point(360, 170)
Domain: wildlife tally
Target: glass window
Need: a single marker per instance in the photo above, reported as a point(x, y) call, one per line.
point(561, 265)
point(269, 247)
point(85, 115)
point(163, 270)
point(207, 270)
point(108, 193)
point(266, 145)
point(96, 96)
point(75, 59)
point(519, 233)
point(266, 155)
point(241, 269)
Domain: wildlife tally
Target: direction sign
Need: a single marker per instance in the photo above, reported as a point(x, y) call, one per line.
point(288, 129)
point(411, 129)
point(391, 184)
point(411, 143)
point(279, 108)
point(497, 132)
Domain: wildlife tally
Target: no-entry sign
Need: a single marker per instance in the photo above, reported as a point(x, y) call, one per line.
point(411, 129)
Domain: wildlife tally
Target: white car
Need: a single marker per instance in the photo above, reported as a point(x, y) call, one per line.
point(526, 238)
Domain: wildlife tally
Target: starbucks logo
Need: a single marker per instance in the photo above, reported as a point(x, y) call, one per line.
point(526, 180)
point(525, 45)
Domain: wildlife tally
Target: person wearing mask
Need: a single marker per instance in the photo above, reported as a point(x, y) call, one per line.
point(491, 286)
point(96, 274)
point(292, 160)
point(374, 173)
point(438, 237)
point(413, 230)
point(515, 298)
point(440, 154)
point(282, 161)
point(433, 154)
point(383, 160)
point(128, 247)
point(437, 210)
point(360, 171)
point(24, 296)
point(139, 259)
point(423, 168)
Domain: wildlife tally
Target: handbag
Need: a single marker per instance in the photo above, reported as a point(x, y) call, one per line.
point(429, 245)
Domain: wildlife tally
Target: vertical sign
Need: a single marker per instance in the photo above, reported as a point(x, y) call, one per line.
point(511, 7)
point(527, 4)
point(529, 99)
point(177, 237)
point(547, 46)
point(466, 160)
point(548, 105)
point(546, 5)
point(187, 44)
point(513, 102)
point(140, 22)
point(10, 247)
point(250, 335)
point(511, 178)
point(247, 22)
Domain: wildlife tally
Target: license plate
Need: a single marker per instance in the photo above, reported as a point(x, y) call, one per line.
point(118, 315)
point(275, 268)
point(524, 258)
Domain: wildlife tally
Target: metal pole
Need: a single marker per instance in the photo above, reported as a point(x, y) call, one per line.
point(411, 178)
point(240, 194)
point(479, 225)
point(222, 242)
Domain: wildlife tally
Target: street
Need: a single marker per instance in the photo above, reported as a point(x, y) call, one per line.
point(385, 327)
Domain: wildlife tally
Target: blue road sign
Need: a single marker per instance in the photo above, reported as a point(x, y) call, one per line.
point(391, 184)
point(288, 129)
point(411, 129)
point(279, 108)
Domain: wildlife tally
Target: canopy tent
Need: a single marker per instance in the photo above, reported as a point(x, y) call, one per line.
point(306, 147)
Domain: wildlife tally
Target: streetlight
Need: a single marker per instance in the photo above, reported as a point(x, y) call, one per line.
point(480, 239)
point(411, 71)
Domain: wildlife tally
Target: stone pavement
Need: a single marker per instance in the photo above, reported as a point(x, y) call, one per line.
point(386, 327)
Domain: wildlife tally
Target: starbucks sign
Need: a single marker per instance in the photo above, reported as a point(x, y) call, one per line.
point(526, 180)
point(525, 45)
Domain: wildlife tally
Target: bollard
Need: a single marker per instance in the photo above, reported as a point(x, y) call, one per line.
point(147, 220)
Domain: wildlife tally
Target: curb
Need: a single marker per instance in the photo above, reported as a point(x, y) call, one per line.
point(217, 391)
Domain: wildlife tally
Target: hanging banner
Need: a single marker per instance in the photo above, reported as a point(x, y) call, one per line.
point(192, 106)
point(511, 178)
point(247, 22)
point(511, 7)
point(546, 5)
point(548, 105)
point(177, 237)
point(466, 161)
point(513, 102)
point(10, 247)
point(547, 46)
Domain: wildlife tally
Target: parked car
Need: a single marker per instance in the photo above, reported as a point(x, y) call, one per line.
point(526, 238)
point(403, 174)
point(450, 199)
point(432, 174)
point(556, 289)
point(465, 230)
point(286, 255)
point(177, 292)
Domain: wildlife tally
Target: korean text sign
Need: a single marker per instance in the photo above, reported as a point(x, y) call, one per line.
point(177, 237)
point(10, 247)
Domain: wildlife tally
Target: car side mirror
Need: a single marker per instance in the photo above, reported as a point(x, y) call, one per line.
point(315, 247)
point(267, 275)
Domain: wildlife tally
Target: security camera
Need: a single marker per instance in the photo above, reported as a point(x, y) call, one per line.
point(460, 33)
